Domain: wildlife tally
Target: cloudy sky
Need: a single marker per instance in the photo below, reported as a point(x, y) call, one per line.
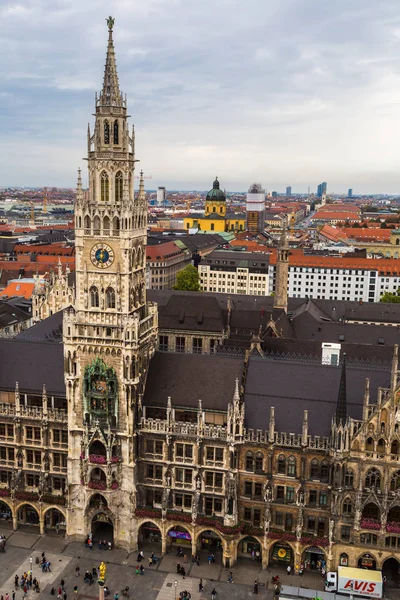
point(284, 92)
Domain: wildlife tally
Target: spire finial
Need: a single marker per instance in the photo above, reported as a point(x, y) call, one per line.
point(110, 94)
point(236, 395)
point(79, 183)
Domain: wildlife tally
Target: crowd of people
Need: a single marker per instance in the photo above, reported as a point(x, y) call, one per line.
point(25, 583)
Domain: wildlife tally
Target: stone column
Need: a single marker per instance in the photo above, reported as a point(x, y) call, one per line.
point(41, 525)
point(101, 591)
point(163, 544)
point(15, 522)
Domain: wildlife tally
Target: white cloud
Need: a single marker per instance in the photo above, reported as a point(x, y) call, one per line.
point(284, 91)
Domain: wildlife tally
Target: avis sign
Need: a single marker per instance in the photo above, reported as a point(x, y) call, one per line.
point(366, 588)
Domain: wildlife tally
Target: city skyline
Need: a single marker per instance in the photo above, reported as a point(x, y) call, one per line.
point(285, 93)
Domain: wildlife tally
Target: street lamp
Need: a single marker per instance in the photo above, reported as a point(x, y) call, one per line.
point(31, 563)
point(176, 585)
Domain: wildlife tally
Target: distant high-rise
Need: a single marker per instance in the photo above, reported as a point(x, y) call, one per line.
point(255, 208)
point(350, 193)
point(321, 190)
point(161, 195)
point(288, 191)
point(274, 194)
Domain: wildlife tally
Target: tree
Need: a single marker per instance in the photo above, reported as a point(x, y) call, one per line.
point(383, 225)
point(187, 280)
point(393, 297)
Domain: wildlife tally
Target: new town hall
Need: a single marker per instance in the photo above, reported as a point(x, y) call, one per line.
point(195, 419)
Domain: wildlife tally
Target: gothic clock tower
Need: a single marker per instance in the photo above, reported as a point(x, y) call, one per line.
point(110, 332)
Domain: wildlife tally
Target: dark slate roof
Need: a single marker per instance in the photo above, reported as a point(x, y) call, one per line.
point(186, 378)
point(48, 330)
point(201, 313)
point(32, 364)
point(292, 387)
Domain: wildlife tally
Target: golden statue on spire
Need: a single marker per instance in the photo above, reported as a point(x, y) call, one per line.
point(110, 22)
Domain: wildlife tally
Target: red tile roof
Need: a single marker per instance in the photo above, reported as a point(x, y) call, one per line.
point(25, 290)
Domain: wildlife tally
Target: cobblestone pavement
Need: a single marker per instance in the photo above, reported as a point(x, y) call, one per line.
point(157, 583)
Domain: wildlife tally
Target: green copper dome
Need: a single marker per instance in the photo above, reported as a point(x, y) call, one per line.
point(216, 193)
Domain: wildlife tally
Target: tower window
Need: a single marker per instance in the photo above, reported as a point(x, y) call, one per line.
point(106, 132)
point(116, 132)
point(110, 298)
point(212, 226)
point(94, 297)
point(119, 181)
point(105, 187)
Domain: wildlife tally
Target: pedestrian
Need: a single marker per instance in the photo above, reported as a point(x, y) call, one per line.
point(201, 587)
point(62, 583)
point(57, 528)
point(150, 561)
point(13, 595)
point(255, 588)
point(7, 596)
point(178, 568)
point(185, 558)
point(75, 589)
point(289, 569)
point(214, 594)
point(137, 570)
point(16, 582)
point(183, 572)
point(230, 577)
point(141, 569)
point(77, 571)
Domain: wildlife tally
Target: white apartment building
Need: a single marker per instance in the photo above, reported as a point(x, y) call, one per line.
point(235, 272)
point(364, 282)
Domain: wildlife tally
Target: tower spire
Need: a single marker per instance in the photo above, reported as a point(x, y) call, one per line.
point(341, 406)
point(110, 94)
point(282, 270)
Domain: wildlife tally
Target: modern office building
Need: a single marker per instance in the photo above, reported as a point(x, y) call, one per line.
point(255, 208)
point(161, 195)
point(288, 191)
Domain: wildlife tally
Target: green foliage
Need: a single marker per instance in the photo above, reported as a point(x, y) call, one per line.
point(187, 280)
point(383, 225)
point(394, 298)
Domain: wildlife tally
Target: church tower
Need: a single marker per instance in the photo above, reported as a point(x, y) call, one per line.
point(110, 332)
point(282, 272)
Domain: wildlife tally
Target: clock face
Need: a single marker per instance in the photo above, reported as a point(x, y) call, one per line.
point(102, 256)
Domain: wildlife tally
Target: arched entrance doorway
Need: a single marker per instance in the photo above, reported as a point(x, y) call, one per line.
point(313, 559)
point(180, 538)
point(54, 522)
point(102, 528)
point(28, 517)
point(366, 561)
point(5, 515)
point(149, 538)
point(209, 547)
point(281, 553)
point(391, 570)
point(250, 547)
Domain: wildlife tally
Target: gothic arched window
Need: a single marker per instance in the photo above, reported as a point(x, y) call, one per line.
point(94, 297)
point(347, 507)
point(291, 466)
point(394, 449)
point(116, 136)
point(116, 226)
point(96, 225)
point(281, 464)
point(395, 481)
point(119, 182)
point(259, 462)
point(106, 132)
point(249, 461)
point(105, 187)
point(349, 478)
point(110, 298)
point(373, 479)
point(314, 469)
point(87, 222)
point(106, 225)
point(325, 470)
